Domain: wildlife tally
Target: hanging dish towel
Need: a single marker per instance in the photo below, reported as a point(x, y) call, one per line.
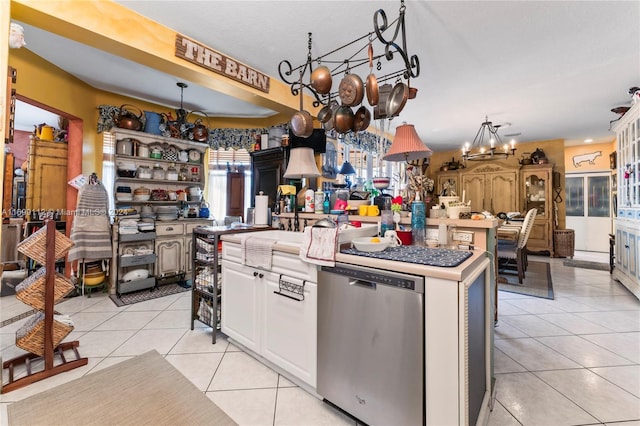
point(256, 251)
point(91, 229)
point(319, 246)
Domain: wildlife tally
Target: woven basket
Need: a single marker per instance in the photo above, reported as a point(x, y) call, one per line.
point(564, 241)
point(35, 246)
point(31, 290)
point(30, 336)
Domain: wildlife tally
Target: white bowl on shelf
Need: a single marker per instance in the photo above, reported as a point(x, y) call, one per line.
point(136, 274)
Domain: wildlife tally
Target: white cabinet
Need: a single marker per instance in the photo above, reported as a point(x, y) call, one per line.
point(272, 313)
point(289, 332)
point(242, 304)
point(627, 224)
point(171, 255)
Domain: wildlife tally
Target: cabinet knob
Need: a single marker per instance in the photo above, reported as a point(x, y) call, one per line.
point(255, 274)
point(261, 275)
point(170, 228)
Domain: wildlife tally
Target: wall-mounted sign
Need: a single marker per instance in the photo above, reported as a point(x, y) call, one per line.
point(212, 60)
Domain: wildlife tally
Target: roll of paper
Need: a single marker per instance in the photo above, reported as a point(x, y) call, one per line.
point(262, 210)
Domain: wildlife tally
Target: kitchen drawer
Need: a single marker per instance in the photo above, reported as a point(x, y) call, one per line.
point(232, 252)
point(190, 226)
point(169, 229)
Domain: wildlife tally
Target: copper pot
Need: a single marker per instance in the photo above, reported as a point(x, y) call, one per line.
point(333, 106)
point(325, 114)
point(302, 123)
point(362, 119)
point(321, 80)
point(128, 119)
point(351, 90)
point(343, 119)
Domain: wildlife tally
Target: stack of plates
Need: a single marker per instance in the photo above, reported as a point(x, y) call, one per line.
point(167, 212)
point(123, 193)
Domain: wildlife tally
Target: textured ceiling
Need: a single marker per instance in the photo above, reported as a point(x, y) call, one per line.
point(545, 70)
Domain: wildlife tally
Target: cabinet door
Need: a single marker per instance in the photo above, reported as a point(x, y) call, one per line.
point(187, 243)
point(502, 193)
point(267, 168)
point(47, 176)
point(170, 254)
point(474, 187)
point(290, 331)
point(242, 302)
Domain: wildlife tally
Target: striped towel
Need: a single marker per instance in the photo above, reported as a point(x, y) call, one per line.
point(91, 229)
point(256, 251)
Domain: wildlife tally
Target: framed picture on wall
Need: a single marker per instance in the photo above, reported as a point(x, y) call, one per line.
point(613, 160)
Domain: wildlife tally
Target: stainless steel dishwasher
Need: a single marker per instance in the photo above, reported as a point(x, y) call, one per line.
point(371, 343)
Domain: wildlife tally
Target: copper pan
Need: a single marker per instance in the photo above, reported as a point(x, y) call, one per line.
point(351, 90)
point(321, 80)
point(343, 119)
point(302, 122)
point(362, 119)
point(397, 99)
point(372, 82)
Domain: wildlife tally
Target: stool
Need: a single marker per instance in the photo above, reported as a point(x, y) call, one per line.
point(10, 280)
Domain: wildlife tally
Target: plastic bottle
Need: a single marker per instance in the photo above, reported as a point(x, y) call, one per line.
point(309, 201)
point(326, 204)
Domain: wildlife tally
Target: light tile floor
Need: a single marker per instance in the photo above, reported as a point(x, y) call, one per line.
point(574, 360)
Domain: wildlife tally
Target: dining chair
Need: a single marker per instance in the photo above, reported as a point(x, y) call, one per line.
point(514, 253)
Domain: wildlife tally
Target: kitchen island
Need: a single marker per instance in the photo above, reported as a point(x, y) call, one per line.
point(273, 313)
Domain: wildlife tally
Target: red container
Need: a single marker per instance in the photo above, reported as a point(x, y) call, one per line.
point(406, 237)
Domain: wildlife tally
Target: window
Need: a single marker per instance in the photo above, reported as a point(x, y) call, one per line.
point(220, 162)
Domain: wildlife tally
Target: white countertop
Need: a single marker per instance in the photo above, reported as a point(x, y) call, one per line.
point(289, 242)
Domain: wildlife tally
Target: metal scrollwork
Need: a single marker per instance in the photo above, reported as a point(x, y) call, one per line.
point(396, 45)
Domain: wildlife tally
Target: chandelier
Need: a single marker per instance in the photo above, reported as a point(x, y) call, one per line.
point(487, 144)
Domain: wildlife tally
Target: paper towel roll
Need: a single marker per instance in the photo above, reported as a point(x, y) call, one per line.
point(261, 215)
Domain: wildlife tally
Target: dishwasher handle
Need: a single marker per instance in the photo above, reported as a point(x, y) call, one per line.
point(363, 283)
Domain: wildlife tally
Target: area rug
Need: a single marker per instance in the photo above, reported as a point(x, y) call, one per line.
point(145, 390)
point(537, 281)
point(586, 264)
point(144, 295)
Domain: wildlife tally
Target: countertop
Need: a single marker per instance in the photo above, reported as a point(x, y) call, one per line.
point(458, 273)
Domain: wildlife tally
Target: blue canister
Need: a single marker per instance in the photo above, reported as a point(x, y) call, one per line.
point(418, 222)
point(152, 124)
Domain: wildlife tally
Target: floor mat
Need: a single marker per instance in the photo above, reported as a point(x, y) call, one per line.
point(144, 295)
point(537, 281)
point(586, 264)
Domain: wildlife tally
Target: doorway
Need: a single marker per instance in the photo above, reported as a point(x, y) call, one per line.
point(588, 209)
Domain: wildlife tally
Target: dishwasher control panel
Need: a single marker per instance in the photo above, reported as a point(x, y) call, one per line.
point(371, 275)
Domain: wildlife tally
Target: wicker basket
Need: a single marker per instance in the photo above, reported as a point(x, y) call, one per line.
point(564, 242)
point(31, 290)
point(30, 336)
point(35, 246)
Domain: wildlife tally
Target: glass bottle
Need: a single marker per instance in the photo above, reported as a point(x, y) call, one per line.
point(418, 222)
point(386, 222)
point(158, 172)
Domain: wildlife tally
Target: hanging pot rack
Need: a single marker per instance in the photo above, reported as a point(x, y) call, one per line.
point(411, 68)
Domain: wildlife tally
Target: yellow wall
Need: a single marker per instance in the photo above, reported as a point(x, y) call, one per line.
point(553, 149)
point(47, 84)
point(588, 158)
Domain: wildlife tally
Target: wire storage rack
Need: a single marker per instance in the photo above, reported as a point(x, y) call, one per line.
point(206, 288)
